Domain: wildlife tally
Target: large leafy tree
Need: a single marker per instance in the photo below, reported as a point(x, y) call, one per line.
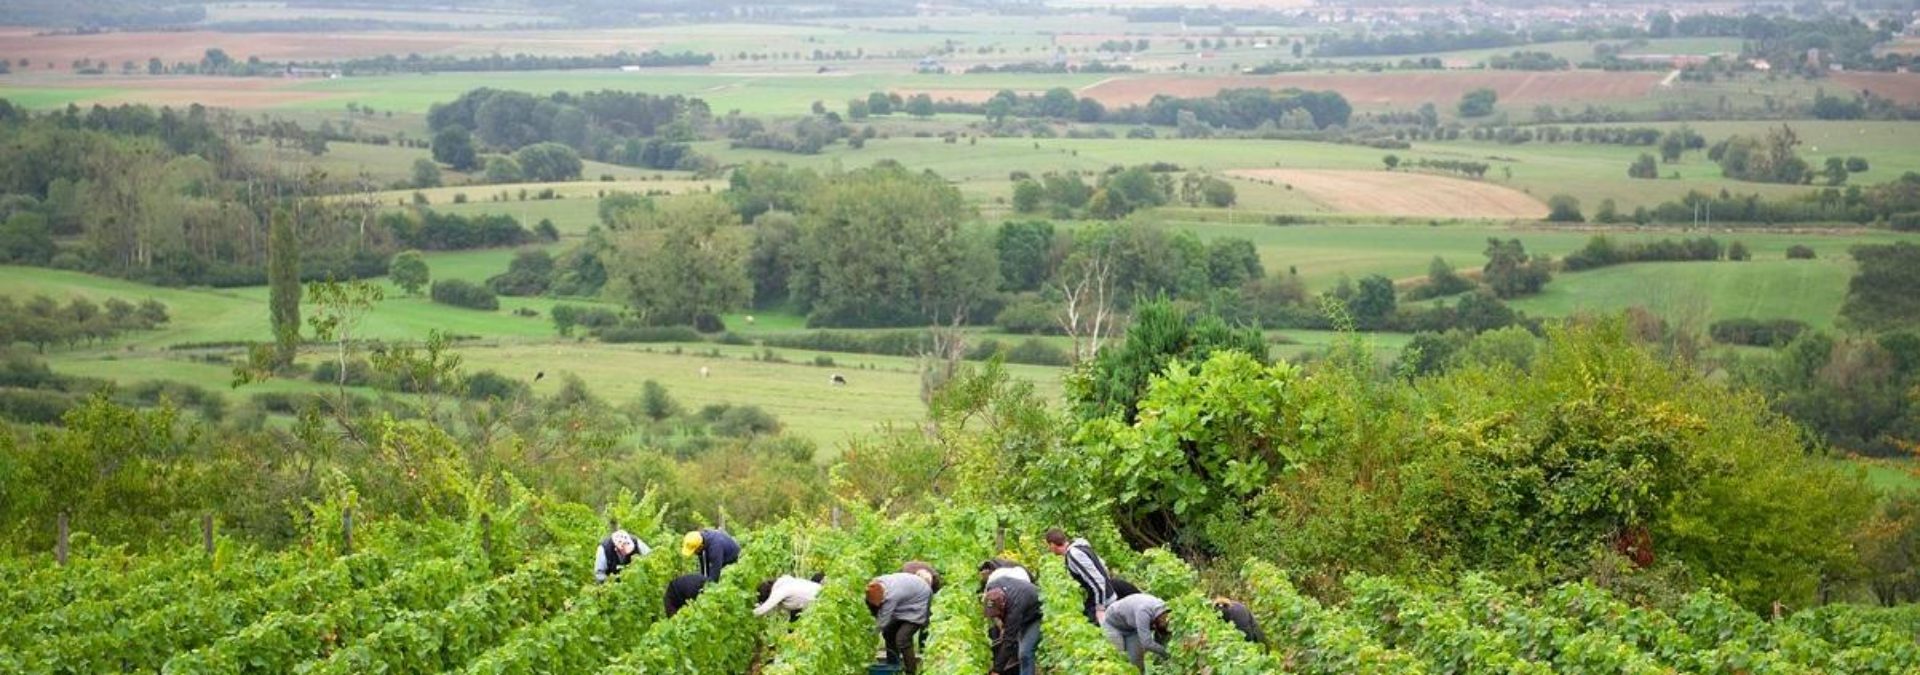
point(409, 271)
point(453, 146)
point(682, 259)
point(1026, 253)
point(886, 246)
point(1511, 272)
point(1373, 304)
point(545, 162)
point(1161, 333)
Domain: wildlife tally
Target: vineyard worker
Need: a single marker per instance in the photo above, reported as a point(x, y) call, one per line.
point(716, 548)
point(1001, 568)
point(790, 593)
point(925, 572)
point(1137, 624)
point(616, 552)
point(1087, 568)
point(1236, 613)
point(1013, 607)
point(901, 604)
point(682, 590)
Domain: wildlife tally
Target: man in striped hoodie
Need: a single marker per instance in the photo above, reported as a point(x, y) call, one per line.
point(1088, 569)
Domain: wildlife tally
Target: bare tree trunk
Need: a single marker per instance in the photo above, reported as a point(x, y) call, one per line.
point(1087, 315)
point(943, 360)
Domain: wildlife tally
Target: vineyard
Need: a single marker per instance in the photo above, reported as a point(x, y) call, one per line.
point(485, 599)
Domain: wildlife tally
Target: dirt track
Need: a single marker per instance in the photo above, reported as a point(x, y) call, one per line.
point(1403, 194)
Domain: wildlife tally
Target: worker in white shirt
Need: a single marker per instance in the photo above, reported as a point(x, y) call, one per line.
point(1000, 568)
point(790, 593)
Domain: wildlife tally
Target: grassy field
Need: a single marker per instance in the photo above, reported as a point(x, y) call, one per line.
point(1893, 476)
point(1321, 253)
point(1591, 173)
point(882, 388)
point(1810, 291)
point(790, 383)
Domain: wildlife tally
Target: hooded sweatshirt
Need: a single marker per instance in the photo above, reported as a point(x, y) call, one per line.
point(1087, 568)
point(903, 597)
point(1134, 615)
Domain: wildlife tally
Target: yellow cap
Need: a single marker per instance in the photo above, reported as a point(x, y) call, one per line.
point(692, 543)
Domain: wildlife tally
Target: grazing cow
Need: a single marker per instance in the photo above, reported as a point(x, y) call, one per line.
point(838, 380)
point(704, 372)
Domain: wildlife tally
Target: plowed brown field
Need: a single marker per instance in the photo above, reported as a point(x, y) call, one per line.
point(1386, 193)
point(1902, 87)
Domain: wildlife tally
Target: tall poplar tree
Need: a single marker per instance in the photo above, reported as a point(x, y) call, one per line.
point(283, 282)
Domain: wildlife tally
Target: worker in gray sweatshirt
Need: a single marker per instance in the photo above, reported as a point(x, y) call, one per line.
point(1137, 624)
point(900, 604)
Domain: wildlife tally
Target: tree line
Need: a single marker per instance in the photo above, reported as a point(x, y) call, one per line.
point(1240, 109)
point(162, 196)
point(610, 126)
point(415, 63)
point(1602, 251)
point(43, 322)
point(1893, 204)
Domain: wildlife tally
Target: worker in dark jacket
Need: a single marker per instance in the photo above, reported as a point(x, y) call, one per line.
point(716, 549)
point(901, 604)
point(616, 551)
point(1013, 608)
point(1137, 624)
point(1237, 614)
point(1087, 569)
point(682, 590)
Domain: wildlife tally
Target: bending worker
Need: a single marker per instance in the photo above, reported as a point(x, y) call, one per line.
point(1137, 624)
point(716, 549)
point(901, 605)
point(616, 552)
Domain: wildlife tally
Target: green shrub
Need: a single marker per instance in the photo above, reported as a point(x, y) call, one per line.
point(34, 406)
point(488, 384)
point(462, 293)
point(359, 373)
point(740, 421)
point(23, 371)
point(1755, 332)
point(1030, 316)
